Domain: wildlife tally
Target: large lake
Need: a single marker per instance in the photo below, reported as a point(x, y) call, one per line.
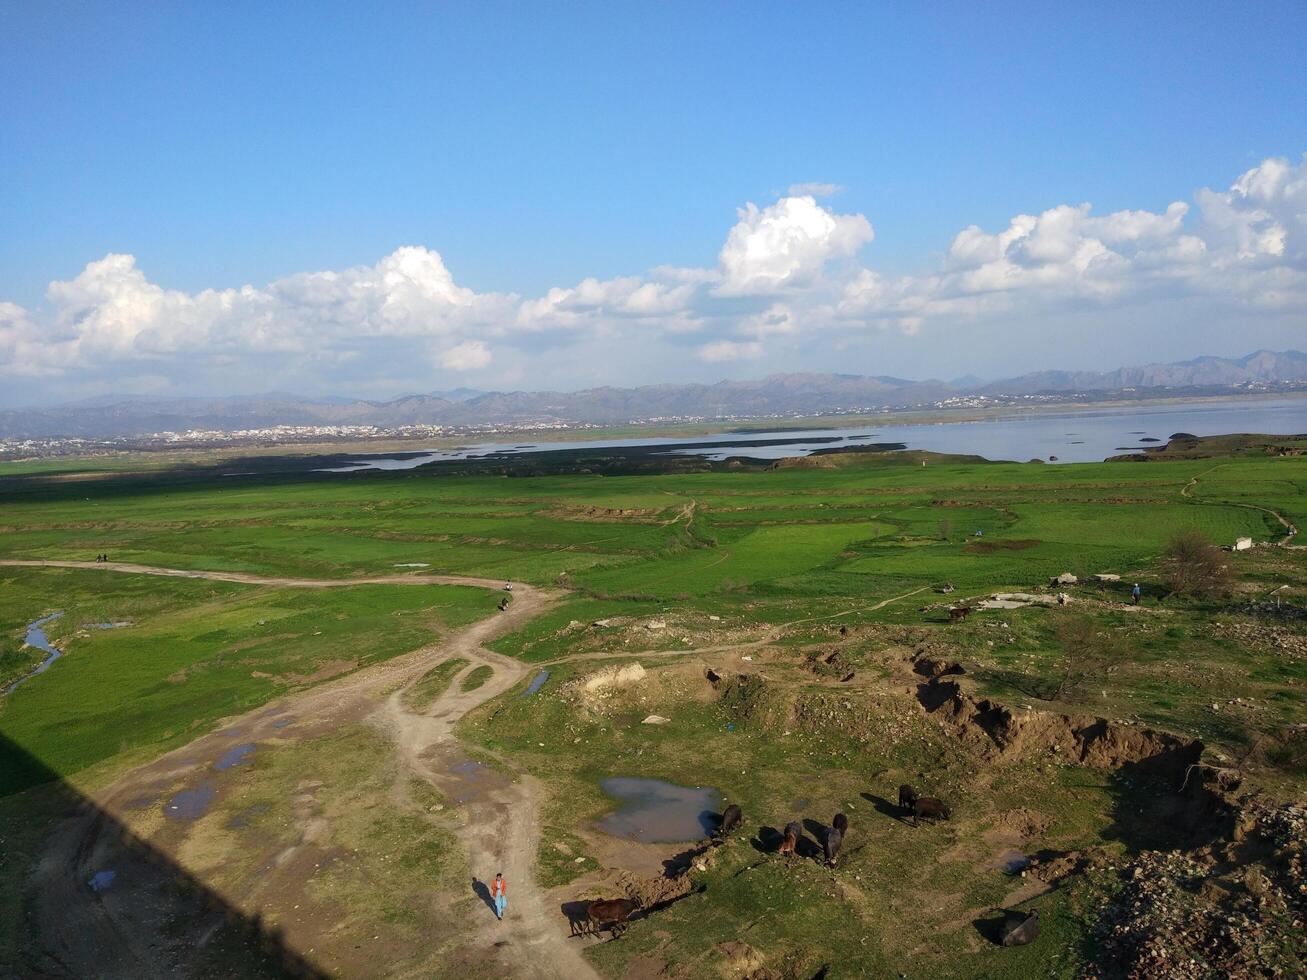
point(1073, 436)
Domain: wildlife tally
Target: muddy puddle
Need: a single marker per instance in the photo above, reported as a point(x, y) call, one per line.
point(190, 804)
point(234, 756)
point(36, 637)
point(470, 781)
point(1011, 862)
point(101, 880)
point(537, 682)
point(248, 815)
point(658, 812)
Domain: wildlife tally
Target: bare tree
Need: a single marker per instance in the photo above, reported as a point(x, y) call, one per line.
point(1089, 653)
point(1196, 567)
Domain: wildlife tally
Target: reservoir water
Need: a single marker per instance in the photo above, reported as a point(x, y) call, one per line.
point(1073, 436)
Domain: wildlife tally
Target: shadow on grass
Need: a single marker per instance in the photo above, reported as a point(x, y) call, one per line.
point(143, 915)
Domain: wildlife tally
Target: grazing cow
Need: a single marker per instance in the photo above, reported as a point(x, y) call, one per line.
point(1018, 931)
point(731, 819)
point(788, 843)
point(928, 806)
point(841, 823)
point(612, 914)
point(907, 797)
point(958, 613)
point(792, 834)
point(831, 845)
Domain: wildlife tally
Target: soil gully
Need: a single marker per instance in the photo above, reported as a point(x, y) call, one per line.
point(1164, 796)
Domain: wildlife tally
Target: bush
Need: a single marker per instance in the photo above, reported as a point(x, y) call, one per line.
point(1195, 567)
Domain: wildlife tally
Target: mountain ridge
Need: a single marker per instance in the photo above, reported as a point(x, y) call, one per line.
point(788, 394)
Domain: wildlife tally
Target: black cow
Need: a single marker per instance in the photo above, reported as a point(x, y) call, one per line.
point(831, 845)
point(928, 806)
point(731, 819)
point(841, 823)
point(907, 797)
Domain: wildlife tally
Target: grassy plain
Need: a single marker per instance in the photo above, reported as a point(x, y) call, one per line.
point(683, 572)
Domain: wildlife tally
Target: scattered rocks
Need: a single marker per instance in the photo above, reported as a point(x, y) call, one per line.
point(656, 720)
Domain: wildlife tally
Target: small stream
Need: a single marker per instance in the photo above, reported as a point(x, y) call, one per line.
point(36, 637)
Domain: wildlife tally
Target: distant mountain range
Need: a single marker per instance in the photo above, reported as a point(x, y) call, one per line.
point(778, 395)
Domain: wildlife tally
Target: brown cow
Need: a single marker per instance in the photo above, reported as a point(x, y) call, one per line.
point(613, 914)
point(958, 613)
point(928, 806)
point(792, 834)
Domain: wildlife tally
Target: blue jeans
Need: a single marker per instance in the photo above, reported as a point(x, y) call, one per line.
point(501, 903)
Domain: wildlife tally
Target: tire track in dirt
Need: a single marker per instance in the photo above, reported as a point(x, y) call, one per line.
point(86, 934)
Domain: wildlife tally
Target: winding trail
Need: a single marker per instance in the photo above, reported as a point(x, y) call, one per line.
point(109, 935)
point(1290, 529)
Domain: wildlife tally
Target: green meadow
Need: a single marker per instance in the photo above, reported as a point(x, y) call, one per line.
point(683, 571)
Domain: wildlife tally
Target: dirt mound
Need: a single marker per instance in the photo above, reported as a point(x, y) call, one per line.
point(1000, 735)
point(1023, 823)
point(653, 892)
point(743, 962)
point(613, 677)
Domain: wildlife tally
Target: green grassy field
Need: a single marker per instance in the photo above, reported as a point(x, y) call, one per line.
point(681, 571)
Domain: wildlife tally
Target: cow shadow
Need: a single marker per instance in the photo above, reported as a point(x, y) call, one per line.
point(483, 892)
point(886, 807)
point(993, 924)
point(818, 830)
point(578, 917)
point(768, 840)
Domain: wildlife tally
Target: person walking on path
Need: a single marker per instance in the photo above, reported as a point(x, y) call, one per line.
point(1135, 593)
point(499, 892)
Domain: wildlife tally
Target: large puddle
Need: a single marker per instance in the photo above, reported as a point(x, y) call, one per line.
point(36, 637)
point(191, 804)
point(537, 682)
point(657, 812)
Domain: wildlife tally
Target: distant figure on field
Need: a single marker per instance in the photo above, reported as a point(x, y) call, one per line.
point(1135, 593)
point(499, 892)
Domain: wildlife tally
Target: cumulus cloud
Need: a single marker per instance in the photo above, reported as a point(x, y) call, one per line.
point(786, 271)
point(787, 245)
point(470, 355)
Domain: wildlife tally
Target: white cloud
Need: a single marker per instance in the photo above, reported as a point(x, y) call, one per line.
point(728, 350)
point(470, 355)
point(786, 272)
point(786, 245)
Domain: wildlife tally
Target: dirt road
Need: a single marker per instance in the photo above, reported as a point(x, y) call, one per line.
point(124, 932)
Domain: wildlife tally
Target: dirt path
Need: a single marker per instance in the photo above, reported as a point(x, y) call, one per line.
point(1290, 529)
point(246, 578)
point(117, 934)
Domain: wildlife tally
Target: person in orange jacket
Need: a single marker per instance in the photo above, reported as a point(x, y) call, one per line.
point(499, 892)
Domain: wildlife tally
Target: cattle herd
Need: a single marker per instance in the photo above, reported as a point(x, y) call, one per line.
point(1017, 928)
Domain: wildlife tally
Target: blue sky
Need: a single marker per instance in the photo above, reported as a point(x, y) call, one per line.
point(535, 147)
